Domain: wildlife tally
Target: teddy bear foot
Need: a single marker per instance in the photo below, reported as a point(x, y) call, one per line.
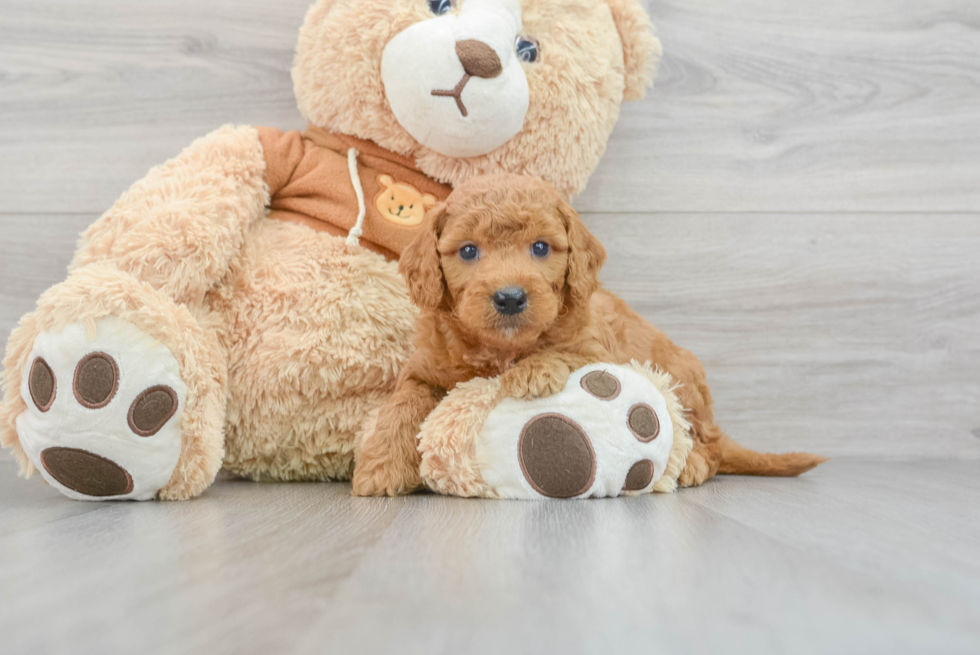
point(613, 430)
point(113, 391)
point(104, 411)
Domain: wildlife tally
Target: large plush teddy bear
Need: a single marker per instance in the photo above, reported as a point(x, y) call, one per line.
point(241, 305)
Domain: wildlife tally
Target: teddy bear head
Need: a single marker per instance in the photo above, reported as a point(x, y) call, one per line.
point(469, 87)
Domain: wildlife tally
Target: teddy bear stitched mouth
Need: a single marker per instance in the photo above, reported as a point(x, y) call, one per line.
point(455, 93)
point(478, 60)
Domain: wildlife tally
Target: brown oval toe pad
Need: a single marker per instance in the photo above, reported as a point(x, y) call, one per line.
point(556, 456)
point(86, 473)
point(643, 422)
point(96, 380)
point(602, 385)
point(639, 476)
point(42, 385)
point(151, 410)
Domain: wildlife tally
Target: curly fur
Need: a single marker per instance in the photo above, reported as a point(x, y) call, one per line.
point(569, 322)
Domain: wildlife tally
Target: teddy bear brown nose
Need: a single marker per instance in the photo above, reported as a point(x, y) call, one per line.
point(478, 59)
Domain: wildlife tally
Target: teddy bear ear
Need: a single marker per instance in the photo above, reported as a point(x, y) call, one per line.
point(428, 200)
point(641, 49)
point(386, 180)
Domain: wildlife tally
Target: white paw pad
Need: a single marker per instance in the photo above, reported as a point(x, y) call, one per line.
point(608, 433)
point(103, 418)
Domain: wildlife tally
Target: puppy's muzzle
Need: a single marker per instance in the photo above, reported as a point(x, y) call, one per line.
point(510, 301)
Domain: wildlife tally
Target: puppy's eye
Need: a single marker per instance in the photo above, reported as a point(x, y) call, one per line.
point(527, 49)
point(540, 249)
point(439, 7)
point(469, 253)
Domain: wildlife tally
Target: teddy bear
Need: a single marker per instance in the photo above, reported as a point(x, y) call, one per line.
point(240, 306)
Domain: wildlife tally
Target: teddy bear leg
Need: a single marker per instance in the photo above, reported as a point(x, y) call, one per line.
point(613, 430)
point(181, 228)
point(112, 391)
point(114, 385)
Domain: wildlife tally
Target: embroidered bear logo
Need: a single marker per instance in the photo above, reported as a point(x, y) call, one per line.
point(401, 203)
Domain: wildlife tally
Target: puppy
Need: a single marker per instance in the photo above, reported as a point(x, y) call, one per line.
point(506, 277)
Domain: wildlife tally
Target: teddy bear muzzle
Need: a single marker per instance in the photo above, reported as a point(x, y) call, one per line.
point(455, 83)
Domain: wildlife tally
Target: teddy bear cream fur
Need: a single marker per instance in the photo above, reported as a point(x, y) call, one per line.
point(241, 305)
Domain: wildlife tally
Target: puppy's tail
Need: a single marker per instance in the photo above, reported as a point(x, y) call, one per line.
point(739, 460)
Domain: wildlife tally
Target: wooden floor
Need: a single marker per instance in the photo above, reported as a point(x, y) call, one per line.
point(798, 202)
point(864, 557)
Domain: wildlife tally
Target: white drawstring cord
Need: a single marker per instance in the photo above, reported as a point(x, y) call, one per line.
point(355, 180)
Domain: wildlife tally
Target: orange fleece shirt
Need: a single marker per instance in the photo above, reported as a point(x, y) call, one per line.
point(310, 184)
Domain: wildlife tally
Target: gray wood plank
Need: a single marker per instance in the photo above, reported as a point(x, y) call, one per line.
point(838, 334)
point(35, 250)
point(858, 556)
point(760, 106)
point(93, 93)
point(216, 574)
point(769, 105)
point(657, 574)
point(927, 509)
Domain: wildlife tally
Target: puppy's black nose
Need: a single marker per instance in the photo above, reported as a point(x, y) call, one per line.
point(510, 300)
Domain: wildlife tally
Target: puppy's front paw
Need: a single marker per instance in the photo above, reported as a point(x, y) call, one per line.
point(696, 470)
point(385, 478)
point(534, 380)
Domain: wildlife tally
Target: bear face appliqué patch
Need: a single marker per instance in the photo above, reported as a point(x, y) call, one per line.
point(402, 204)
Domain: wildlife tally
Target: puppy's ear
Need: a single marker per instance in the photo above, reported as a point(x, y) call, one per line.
point(419, 263)
point(641, 49)
point(585, 256)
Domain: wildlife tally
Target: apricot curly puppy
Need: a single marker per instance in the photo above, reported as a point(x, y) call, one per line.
point(506, 276)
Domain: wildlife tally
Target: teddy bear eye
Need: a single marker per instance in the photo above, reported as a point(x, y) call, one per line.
point(469, 253)
point(439, 7)
point(527, 49)
point(540, 249)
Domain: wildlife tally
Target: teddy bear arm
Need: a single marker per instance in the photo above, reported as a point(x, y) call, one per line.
point(214, 190)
